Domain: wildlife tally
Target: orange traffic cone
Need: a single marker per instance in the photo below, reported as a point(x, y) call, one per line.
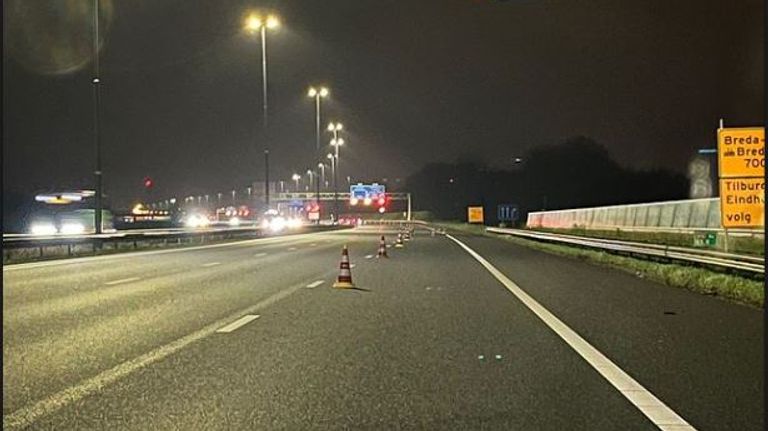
point(399, 241)
point(382, 248)
point(345, 273)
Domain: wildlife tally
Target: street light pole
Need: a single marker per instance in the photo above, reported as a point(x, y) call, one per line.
point(317, 94)
point(264, 71)
point(317, 122)
point(335, 189)
point(266, 178)
point(96, 114)
point(254, 23)
point(322, 172)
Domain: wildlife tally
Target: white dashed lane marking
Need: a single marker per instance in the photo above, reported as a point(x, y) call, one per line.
point(121, 281)
point(259, 254)
point(314, 284)
point(238, 323)
point(210, 264)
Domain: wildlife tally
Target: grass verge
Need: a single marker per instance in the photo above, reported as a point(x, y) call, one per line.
point(735, 288)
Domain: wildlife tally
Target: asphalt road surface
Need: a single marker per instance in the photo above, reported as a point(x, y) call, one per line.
point(455, 332)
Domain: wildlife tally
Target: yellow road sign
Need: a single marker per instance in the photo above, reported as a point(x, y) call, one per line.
point(741, 152)
point(475, 214)
point(742, 202)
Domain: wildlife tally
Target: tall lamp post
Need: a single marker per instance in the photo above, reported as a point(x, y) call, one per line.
point(322, 172)
point(332, 158)
point(253, 24)
point(96, 114)
point(336, 143)
point(336, 129)
point(311, 177)
point(296, 178)
point(317, 94)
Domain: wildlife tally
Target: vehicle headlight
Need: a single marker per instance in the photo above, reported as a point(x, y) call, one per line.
point(294, 223)
point(265, 224)
point(277, 224)
point(195, 221)
point(42, 229)
point(234, 221)
point(72, 228)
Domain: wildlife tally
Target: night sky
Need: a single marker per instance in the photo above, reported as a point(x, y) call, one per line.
point(413, 81)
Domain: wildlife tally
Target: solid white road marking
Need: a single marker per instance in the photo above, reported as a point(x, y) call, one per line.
point(259, 254)
point(369, 256)
point(238, 323)
point(314, 284)
point(654, 409)
point(25, 416)
point(209, 264)
point(124, 280)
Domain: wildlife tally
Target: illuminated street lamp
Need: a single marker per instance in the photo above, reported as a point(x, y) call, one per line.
point(335, 128)
point(317, 95)
point(296, 177)
point(253, 24)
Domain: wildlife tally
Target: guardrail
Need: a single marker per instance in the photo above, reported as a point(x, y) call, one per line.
point(25, 247)
point(395, 222)
point(739, 262)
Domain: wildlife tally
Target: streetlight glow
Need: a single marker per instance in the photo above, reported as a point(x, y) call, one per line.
point(273, 22)
point(335, 127)
point(253, 23)
point(314, 92)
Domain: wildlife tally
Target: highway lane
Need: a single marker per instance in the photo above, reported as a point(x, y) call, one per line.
point(431, 340)
point(65, 321)
point(699, 353)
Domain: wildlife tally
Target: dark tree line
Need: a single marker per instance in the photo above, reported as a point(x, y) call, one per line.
point(574, 174)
